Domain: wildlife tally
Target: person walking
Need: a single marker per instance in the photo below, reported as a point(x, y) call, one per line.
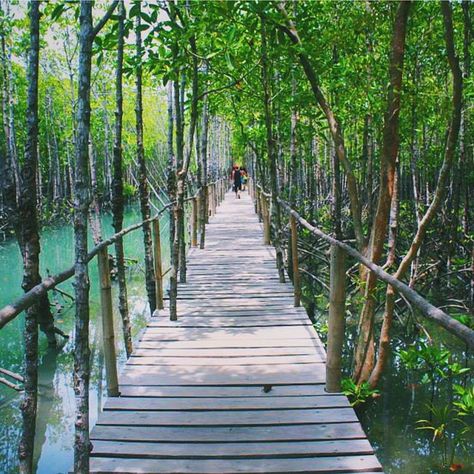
point(237, 182)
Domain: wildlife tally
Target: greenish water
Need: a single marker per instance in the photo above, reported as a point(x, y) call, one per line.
point(55, 426)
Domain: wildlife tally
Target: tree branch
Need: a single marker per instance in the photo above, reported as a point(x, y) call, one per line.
point(105, 18)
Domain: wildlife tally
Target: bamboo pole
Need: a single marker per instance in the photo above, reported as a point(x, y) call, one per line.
point(266, 220)
point(206, 197)
point(210, 199)
point(158, 263)
point(215, 195)
point(258, 206)
point(198, 211)
point(295, 263)
point(108, 336)
point(214, 199)
point(337, 298)
point(194, 223)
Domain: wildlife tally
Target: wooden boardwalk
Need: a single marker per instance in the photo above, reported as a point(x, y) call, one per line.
point(237, 384)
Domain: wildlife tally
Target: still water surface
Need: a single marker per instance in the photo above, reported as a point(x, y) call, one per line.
point(55, 426)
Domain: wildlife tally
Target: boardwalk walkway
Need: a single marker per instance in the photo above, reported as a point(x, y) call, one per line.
point(237, 384)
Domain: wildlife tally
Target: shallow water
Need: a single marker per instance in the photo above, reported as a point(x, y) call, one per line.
point(55, 425)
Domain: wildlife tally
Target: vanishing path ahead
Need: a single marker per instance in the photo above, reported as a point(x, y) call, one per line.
point(237, 384)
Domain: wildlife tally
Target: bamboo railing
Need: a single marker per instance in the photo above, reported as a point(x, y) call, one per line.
point(216, 192)
point(338, 284)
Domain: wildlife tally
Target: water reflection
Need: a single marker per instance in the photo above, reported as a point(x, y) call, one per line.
point(56, 403)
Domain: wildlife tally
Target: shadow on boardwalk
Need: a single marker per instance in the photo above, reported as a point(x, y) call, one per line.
point(236, 385)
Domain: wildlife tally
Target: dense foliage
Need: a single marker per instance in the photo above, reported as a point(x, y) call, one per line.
point(357, 113)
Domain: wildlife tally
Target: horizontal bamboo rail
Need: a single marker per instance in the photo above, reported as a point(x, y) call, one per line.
point(428, 310)
point(12, 310)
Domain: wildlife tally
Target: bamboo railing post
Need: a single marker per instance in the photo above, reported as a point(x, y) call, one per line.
point(198, 209)
point(258, 207)
point(337, 293)
point(108, 336)
point(214, 199)
point(158, 263)
point(294, 260)
point(194, 222)
point(210, 199)
point(266, 220)
point(205, 196)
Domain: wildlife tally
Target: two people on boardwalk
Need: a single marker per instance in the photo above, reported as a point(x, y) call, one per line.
point(239, 178)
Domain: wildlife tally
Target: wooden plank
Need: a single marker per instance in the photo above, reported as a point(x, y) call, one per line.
point(331, 464)
point(222, 391)
point(223, 361)
point(227, 352)
point(230, 303)
point(271, 309)
point(241, 314)
point(229, 403)
point(222, 434)
point(227, 418)
point(231, 450)
point(258, 333)
point(225, 375)
point(231, 343)
point(228, 322)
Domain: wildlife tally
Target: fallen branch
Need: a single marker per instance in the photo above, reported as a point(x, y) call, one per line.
point(9, 312)
point(10, 384)
point(11, 374)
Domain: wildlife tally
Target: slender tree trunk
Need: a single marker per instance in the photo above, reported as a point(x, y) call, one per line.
point(365, 352)
point(81, 208)
point(173, 292)
point(449, 154)
point(204, 195)
point(272, 153)
point(117, 184)
point(143, 180)
point(30, 244)
point(9, 190)
point(183, 172)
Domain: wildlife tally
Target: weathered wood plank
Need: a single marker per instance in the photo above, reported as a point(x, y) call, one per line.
point(153, 342)
point(332, 464)
point(228, 322)
point(224, 361)
point(296, 332)
point(185, 434)
point(224, 375)
point(227, 418)
point(228, 352)
point(222, 391)
point(229, 403)
point(148, 450)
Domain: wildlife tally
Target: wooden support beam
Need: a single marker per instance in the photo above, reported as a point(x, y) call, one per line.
point(158, 263)
point(294, 259)
point(108, 336)
point(337, 304)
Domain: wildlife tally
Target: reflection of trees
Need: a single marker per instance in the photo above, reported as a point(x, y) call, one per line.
point(47, 399)
point(9, 432)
